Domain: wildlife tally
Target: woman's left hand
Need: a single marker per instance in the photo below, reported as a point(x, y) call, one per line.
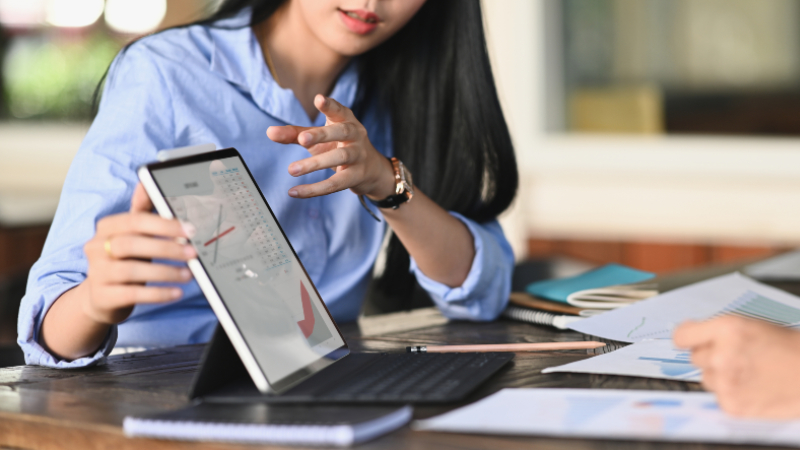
point(751, 365)
point(343, 145)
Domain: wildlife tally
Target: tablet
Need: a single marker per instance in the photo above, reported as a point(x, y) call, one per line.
point(247, 269)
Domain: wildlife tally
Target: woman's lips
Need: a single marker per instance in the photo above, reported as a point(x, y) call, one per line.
point(359, 21)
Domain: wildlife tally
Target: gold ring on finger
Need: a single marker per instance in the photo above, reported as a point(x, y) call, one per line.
point(107, 246)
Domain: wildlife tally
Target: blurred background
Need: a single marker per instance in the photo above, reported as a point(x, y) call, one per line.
point(661, 134)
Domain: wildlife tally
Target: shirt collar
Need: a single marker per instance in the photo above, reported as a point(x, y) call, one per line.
point(237, 57)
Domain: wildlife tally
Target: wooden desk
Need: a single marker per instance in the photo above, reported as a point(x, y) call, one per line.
point(83, 409)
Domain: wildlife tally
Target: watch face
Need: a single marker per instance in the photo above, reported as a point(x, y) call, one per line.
point(405, 176)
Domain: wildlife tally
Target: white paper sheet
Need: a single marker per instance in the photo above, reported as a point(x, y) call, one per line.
point(611, 414)
point(657, 317)
point(656, 358)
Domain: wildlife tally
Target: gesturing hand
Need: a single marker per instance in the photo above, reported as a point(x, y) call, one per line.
point(343, 145)
point(751, 365)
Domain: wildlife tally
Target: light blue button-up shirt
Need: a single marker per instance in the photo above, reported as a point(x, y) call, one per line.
point(211, 85)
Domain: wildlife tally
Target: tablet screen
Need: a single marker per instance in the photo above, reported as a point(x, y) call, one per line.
point(252, 265)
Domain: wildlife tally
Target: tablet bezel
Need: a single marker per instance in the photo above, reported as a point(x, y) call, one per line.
point(213, 295)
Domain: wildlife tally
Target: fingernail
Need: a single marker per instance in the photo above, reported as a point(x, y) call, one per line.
point(188, 229)
point(176, 293)
point(294, 169)
point(189, 251)
point(306, 138)
point(293, 193)
point(186, 274)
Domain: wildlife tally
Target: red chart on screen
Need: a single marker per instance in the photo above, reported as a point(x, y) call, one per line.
point(307, 324)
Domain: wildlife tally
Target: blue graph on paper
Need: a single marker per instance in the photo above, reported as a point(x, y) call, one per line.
point(678, 367)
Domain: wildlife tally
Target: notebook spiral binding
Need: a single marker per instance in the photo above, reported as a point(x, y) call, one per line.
point(539, 317)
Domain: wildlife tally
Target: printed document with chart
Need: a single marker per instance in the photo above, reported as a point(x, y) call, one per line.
point(653, 358)
point(657, 317)
point(249, 259)
point(611, 414)
point(650, 323)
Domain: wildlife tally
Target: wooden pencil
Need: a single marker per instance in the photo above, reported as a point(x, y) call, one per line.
point(523, 347)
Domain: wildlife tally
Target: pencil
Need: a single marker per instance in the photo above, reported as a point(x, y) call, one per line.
point(524, 347)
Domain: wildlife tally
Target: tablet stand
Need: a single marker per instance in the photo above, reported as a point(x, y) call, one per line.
point(220, 367)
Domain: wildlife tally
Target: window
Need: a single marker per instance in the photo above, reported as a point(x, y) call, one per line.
point(682, 66)
point(53, 53)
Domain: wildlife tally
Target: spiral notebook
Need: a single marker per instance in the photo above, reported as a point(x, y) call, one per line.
point(559, 321)
point(259, 423)
point(595, 288)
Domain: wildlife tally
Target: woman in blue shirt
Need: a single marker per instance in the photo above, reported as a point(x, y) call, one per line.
point(402, 78)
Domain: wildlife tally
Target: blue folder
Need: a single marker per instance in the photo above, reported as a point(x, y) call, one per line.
point(608, 275)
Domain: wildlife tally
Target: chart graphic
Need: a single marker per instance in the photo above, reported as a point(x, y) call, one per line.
point(652, 359)
point(250, 264)
point(754, 306)
point(307, 324)
point(636, 416)
point(659, 420)
point(641, 331)
point(262, 235)
point(644, 320)
point(657, 317)
point(678, 367)
point(659, 403)
point(749, 305)
point(236, 235)
point(312, 325)
point(220, 233)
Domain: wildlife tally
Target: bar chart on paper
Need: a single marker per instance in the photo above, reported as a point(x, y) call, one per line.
point(656, 358)
point(749, 305)
point(657, 317)
point(755, 306)
point(611, 414)
point(679, 366)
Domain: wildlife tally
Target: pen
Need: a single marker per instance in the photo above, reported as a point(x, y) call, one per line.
point(524, 347)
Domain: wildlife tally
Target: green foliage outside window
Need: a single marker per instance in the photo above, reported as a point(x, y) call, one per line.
point(55, 78)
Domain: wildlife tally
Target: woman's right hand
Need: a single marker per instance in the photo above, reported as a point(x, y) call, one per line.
point(119, 261)
point(751, 365)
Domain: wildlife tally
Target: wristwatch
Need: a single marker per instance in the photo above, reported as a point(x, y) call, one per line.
point(404, 189)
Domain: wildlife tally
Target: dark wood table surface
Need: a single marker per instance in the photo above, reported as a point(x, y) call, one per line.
point(83, 409)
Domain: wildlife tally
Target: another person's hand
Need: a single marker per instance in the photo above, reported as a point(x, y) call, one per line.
point(343, 145)
point(119, 261)
point(751, 365)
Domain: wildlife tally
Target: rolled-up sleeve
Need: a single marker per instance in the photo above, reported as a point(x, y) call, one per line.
point(30, 315)
point(134, 121)
point(484, 293)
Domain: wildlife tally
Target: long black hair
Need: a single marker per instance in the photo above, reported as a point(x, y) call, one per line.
point(434, 79)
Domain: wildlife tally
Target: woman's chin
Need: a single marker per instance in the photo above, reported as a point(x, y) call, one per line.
point(351, 44)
